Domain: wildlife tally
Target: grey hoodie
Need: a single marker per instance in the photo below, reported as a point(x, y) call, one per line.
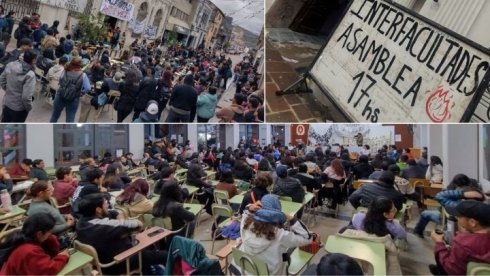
point(19, 82)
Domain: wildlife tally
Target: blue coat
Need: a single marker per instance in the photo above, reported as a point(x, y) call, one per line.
point(206, 105)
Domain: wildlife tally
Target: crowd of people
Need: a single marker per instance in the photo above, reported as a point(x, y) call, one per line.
point(274, 170)
point(145, 79)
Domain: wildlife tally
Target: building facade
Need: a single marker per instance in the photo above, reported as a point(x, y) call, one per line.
point(201, 22)
point(217, 18)
point(225, 31)
point(180, 20)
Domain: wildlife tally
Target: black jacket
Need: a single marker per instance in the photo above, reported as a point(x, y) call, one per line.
point(308, 181)
point(247, 198)
point(6, 184)
point(195, 174)
point(246, 174)
point(183, 97)
point(291, 187)
point(368, 192)
point(177, 213)
point(413, 172)
point(146, 93)
point(363, 171)
point(128, 97)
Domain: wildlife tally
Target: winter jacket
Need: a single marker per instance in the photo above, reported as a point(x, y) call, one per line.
point(451, 198)
point(367, 193)
point(183, 97)
point(363, 171)
point(413, 172)
point(84, 188)
point(291, 187)
point(109, 237)
point(466, 247)
point(270, 251)
point(16, 170)
point(227, 114)
point(139, 206)
point(146, 93)
point(206, 105)
point(308, 181)
point(37, 207)
point(177, 213)
point(63, 191)
point(6, 184)
point(195, 173)
point(55, 72)
point(19, 83)
point(36, 259)
point(434, 173)
point(246, 174)
point(193, 254)
point(229, 187)
point(128, 97)
point(38, 173)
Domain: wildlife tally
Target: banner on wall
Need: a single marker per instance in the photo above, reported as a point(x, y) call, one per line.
point(117, 8)
point(137, 27)
point(150, 32)
point(71, 5)
point(299, 133)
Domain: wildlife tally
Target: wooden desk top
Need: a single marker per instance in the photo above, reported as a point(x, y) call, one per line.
point(143, 242)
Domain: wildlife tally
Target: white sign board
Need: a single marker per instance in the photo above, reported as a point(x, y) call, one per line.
point(150, 32)
point(137, 26)
point(117, 8)
point(386, 64)
point(71, 5)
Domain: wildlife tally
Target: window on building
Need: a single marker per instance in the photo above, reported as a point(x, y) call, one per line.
point(250, 133)
point(207, 135)
point(12, 144)
point(278, 134)
point(168, 132)
point(71, 141)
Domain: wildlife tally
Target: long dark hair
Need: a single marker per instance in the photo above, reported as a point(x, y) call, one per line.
point(43, 222)
point(170, 192)
point(227, 177)
point(264, 165)
point(435, 160)
point(375, 221)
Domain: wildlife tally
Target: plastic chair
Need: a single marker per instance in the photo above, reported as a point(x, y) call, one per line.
point(220, 211)
point(474, 269)
point(248, 264)
point(221, 197)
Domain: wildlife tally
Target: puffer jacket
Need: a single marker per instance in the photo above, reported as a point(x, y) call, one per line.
point(368, 192)
point(291, 187)
point(146, 93)
point(206, 105)
point(19, 82)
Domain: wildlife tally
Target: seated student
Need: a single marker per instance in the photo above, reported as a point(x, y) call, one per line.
point(413, 170)
point(227, 183)
point(363, 170)
point(403, 185)
point(469, 245)
point(335, 264)
point(307, 180)
point(64, 187)
point(5, 182)
point(87, 165)
point(33, 250)
point(261, 183)
point(384, 186)
point(379, 219)
point(435, 170)
point(115, 179)
point(38, 171)
point(264, 237)
point(22, 169)
point(170, 204)
point(288, 186)
point(242, 171)
point(40, 192)
point(402, 163)
point(384, 165)
point(195, 173)
point(110, 236)
point(165, 174)
point(91, 185)
point(336, 175)
point(459, 189)
point(134, 198)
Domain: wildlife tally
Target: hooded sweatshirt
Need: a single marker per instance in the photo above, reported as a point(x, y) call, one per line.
point(270, 251)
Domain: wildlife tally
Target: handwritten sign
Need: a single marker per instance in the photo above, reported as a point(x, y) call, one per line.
point(137, 26)
point(72, 5)
point(384, 63)
point(150, 32)
point(117, 8)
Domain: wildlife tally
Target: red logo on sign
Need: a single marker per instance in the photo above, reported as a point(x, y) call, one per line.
point(300, 130)
point(439, 104)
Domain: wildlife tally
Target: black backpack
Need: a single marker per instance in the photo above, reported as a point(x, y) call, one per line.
point(68, 88)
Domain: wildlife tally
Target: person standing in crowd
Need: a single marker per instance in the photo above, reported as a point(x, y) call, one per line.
point(182, 101)
point(23, 31)
point(73, 83)
point(129, 91)
point(18, 81)
point(8, 28)
point(206, 105)
point(54, 27)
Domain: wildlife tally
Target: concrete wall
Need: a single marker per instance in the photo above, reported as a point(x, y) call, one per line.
point(40, 143)
point(136, 139)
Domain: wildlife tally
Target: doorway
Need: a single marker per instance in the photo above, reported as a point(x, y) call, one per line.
point(319, 17)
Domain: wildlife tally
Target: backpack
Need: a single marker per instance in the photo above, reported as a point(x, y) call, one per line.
point(68, 88)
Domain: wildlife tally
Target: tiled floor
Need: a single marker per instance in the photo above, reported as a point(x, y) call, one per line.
point(413, 261)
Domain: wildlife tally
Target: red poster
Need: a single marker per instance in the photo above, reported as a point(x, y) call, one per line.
point(299, 133)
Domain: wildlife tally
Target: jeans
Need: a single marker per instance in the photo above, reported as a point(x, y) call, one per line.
point(177, 118)
point(60, 104)
point(426, 217)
